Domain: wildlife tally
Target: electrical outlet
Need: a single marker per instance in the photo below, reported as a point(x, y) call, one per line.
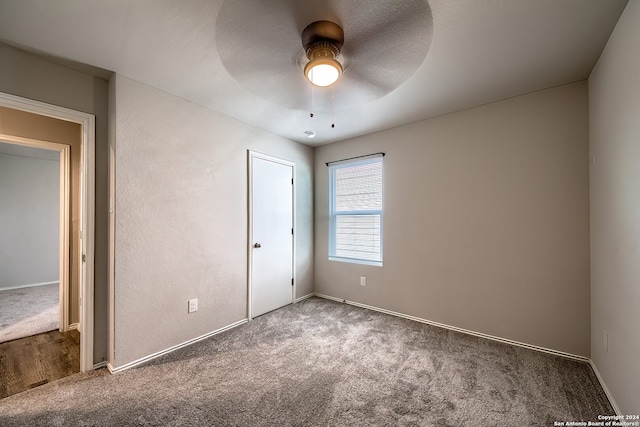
point(193, 305)
point(605, 340)
point(363, 281)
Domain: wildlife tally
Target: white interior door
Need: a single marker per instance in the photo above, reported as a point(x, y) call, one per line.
point(271, 285)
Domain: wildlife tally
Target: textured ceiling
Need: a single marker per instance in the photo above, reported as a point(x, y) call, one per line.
point(405, 60)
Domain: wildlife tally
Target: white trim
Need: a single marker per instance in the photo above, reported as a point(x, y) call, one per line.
point(256, 155)
point(455, 328)
point(75, 326)
point(87, 206)
point(305, 297)
point(112, 234)
point(612, 401)
point(172, 349)
point(100, 365)
point(65, 233)
point(294, 286)
point(249, 231)
point(30, 285)
point(356, 261)
point(331, 298)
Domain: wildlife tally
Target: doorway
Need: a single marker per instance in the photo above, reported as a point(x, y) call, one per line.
point(34, 241)
point(271, 234)
point(85, 253)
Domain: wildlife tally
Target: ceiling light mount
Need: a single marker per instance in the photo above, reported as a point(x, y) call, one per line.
point(322, 41)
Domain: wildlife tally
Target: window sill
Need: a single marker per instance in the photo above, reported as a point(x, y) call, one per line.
point(356, 261)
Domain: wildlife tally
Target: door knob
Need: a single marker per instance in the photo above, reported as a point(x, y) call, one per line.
point(257, 245)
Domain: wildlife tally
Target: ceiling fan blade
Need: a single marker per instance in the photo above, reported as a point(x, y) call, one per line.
point(353, 89)
point(259, 46)
point(395, 47)
point(362, 86)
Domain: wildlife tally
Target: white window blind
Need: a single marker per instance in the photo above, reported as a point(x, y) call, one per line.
point(355, 224)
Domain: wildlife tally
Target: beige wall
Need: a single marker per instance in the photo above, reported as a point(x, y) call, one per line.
point(486, 220)
point(34, 126)
point(181, 218)
point(614, 112)
point(29, 76)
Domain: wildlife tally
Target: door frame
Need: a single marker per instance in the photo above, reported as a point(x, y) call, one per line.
point(251, 155)
point(87, 207)
point(63, 236)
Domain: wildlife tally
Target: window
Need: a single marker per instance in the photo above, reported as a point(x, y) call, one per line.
point(355, 210)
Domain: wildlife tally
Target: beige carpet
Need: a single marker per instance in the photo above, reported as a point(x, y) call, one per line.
point(28, 311)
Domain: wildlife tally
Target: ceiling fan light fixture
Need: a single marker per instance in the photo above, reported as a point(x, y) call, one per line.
point(323, 72)
point(322, 41)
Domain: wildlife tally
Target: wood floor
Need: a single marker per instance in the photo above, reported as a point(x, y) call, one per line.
point(29, 362)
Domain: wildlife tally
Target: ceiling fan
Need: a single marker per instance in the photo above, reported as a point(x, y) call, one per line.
point(274, 48)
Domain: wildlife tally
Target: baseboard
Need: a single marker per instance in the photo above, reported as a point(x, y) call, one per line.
point(171, 349)
point(305, 297)
point(455, 328)
point(100, 365)
point(29, 285)
point(74, 326)
point(612, 401)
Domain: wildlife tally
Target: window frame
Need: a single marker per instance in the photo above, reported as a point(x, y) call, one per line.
point(333, 214)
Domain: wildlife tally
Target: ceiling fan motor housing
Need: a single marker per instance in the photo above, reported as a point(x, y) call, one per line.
point(322, 49)
point(323, 31)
